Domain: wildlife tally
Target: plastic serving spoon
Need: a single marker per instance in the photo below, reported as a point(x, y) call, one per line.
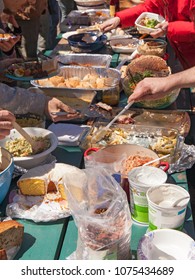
point(154, 160)
point(36, 145)
point(102, 132)
point(179, 200)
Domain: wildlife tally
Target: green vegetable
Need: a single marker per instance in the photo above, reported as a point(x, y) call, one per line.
point(151, 23)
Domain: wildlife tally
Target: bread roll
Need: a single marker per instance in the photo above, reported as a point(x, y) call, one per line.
point(3, 255)
point(148, 63)
point(11, 234)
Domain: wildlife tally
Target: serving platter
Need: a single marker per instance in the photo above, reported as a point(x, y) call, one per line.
point(28, 70)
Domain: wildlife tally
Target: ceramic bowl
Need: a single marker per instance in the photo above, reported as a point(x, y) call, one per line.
point(37, 159)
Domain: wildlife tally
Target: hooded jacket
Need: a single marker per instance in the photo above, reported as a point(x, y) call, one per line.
point(181, 29)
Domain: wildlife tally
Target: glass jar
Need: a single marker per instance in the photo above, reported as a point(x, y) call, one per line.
point(111, 96)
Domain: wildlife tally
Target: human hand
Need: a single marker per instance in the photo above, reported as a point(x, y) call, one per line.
point(6, 120)
point(161, 30)
point(110, 24)
point(6, 18)
point(7, 45)
point(5, 63)
point(54, 105)
point(150, 89)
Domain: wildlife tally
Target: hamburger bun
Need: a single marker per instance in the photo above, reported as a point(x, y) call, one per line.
point(155, 64)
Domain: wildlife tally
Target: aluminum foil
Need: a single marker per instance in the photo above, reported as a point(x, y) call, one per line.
point(97, 60)
point(185, 161)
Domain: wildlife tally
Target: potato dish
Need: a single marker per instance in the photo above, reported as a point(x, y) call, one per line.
point(19, 147)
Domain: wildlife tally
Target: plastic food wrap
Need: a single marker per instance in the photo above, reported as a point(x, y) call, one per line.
point(101, 212)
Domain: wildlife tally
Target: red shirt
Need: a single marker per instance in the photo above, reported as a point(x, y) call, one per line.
point(181, 28)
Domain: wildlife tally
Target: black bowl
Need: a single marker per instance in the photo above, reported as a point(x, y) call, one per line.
point(78, 45)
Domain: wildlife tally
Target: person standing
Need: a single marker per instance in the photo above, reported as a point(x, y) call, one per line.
point(178, 27)
point(66, 6)
point(31, 27)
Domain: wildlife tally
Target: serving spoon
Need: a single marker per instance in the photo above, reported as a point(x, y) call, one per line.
point(176, 202)
point(36, 145)
point(102, 132)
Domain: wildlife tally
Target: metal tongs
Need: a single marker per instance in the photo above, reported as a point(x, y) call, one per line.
point(103, 131)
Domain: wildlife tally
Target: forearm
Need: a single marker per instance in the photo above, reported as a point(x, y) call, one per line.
point(21, 101)
point(183, 79)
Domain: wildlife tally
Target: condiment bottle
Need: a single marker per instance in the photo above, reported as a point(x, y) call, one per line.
point(114, 7)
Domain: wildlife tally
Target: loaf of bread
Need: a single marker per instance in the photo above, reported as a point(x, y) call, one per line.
point(3, 255)
point(11, 234)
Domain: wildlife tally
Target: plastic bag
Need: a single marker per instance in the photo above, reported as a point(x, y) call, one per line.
point(101, 212)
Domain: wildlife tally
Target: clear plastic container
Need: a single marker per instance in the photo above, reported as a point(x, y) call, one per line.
point(111, 96)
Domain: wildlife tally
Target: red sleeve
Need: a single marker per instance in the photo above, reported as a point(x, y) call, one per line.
point(181, 31)
point(128, 16)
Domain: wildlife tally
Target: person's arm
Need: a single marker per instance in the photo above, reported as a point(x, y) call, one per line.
point(22, 101)
point(182, 31)
point(6, 120)
point(129, 16)
point(153, 88)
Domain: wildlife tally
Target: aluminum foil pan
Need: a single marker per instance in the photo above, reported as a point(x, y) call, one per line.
point(80, 72)
point(93, 60)
point(88, 16)
point(161, 140)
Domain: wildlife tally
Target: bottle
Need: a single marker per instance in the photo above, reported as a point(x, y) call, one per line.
point(114, 7)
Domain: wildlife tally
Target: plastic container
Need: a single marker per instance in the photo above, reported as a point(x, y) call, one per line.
point(112, 95)
point(166, 244)
point(161, 212)
point(146, 30)
point(152, 47)
point(140, 180)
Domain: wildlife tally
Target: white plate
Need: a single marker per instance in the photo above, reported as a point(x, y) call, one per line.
point(115, 45)
point(68, 34)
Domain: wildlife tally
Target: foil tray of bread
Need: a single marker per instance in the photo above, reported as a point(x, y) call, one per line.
point(80, 78)
point(161, 140)
point(87, 60)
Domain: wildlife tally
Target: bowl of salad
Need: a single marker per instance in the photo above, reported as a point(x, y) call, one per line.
point(21, 150)
point(147, 22)
point(143, 67)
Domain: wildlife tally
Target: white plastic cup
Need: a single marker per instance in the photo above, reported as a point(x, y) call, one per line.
point(140, 180)
point(161, 212)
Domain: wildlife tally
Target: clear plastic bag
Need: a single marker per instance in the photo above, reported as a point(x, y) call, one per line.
point(101, 212)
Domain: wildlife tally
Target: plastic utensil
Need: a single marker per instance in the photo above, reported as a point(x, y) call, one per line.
point(102, 132)
point(36, 145)
point(154, 160)
point(179, 200)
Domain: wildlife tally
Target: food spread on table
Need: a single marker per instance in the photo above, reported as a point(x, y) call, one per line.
point(42, 194)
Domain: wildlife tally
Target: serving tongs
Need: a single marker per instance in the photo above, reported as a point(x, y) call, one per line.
point(103, 131)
